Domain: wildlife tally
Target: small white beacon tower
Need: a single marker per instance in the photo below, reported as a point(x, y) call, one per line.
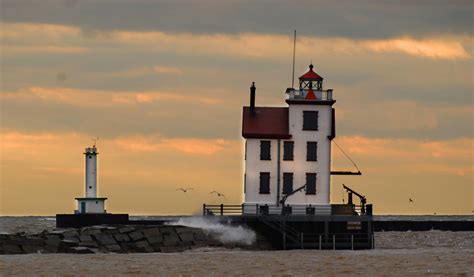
point(91, 204)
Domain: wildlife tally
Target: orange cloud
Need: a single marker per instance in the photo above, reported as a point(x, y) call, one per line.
point(265, 46)
point(78, 97)
point(409, 155)
point(430, 48)
point(144, 71)
point(188, 146)
point(34, 143)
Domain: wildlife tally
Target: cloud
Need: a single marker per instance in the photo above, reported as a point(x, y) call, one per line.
point(42, 142)
point(188, 146)
point(409, 155)
point(22, 37)
point(430, 48)
point(98, 98)
point(147, 71)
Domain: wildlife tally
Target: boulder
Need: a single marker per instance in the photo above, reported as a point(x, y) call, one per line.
point(136, 235)
point(12, 249)
point(186, 237)
point(85, 238)
point(104, 239)
point(126, 229)
point(143, 246)
point(121, 238)
point(113, 248)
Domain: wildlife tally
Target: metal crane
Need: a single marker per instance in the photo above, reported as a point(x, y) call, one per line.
point(362, 198)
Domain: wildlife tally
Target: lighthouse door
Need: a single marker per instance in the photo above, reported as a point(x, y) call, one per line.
point(83, 207)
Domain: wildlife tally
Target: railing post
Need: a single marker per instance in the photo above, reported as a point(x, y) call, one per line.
point(333, 242)
point(242, 213)
point(203, 209)
point(284, 240)
point(319, 242)
point(256, 209)
point(222, 209)
point(373, 241)
point(302, 243)
point(352, 242)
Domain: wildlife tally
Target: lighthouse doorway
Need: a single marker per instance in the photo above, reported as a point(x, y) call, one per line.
point(83, 207)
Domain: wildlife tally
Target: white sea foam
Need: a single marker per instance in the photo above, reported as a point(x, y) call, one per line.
point(224, 233)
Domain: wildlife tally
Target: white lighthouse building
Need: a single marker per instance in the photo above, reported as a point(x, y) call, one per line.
point(91, 203)
point(287, 148)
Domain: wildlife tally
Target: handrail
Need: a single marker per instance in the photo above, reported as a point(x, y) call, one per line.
point(250, 209)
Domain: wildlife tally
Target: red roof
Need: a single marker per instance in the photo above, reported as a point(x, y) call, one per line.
point(268, 122)
point(311, 74)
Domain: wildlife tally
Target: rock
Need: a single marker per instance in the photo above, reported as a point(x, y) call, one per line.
point(32, 248)
point(113, 248)
point(92, 244)
point(128, 247)
point(154, 239)
point(35, 241)
point(126, 229)
point(121, 238)
point(91, 231)
point(85, 238)
point(12, 249)
point(137, 235)
point(64, 244)
point(70, 233)
point(143, 246)
point(52, 241)
point(104, 239)
point(186, 237)
point(152, 232)
point(200, 236)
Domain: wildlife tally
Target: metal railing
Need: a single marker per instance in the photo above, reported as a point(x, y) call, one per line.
point(321, 95)
point(265, 209)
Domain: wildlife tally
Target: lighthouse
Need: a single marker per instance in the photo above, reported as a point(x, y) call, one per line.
point(91, 203)
point(288, 149)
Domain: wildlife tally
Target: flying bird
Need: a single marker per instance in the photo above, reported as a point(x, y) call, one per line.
point(411, 200)
point(184, 189)
point(218, 193)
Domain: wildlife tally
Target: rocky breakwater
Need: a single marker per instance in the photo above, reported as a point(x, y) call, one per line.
point(120, 239)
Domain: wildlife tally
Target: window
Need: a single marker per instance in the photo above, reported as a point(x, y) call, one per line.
point(288, 150)
point(287, 183)
point(265, 150)
point(311, 183)
point(264, 182)
point(311, 151)
point(310, 120)
point(90, 157)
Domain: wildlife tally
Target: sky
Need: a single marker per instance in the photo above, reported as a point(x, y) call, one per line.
point(162, 84)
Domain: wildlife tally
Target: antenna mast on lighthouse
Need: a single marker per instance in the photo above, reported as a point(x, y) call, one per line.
point(294, 51)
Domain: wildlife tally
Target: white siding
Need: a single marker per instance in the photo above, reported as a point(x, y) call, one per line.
point(299, 166)
point(253, 167)
point(92, 205)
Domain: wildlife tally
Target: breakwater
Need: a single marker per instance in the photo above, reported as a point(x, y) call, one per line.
point(120, 239)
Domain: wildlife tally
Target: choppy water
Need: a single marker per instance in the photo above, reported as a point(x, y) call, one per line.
point(432, 253)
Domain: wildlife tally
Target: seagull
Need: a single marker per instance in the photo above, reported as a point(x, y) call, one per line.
point(411, 200)
point(184, 189)
point(218, 193)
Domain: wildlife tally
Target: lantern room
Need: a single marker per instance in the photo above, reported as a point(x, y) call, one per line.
point(311, 80)
point(311, 88)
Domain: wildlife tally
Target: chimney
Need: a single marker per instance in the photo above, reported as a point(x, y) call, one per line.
point(252, 99)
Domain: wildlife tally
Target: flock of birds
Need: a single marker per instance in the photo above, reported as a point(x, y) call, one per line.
point(185, 190)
